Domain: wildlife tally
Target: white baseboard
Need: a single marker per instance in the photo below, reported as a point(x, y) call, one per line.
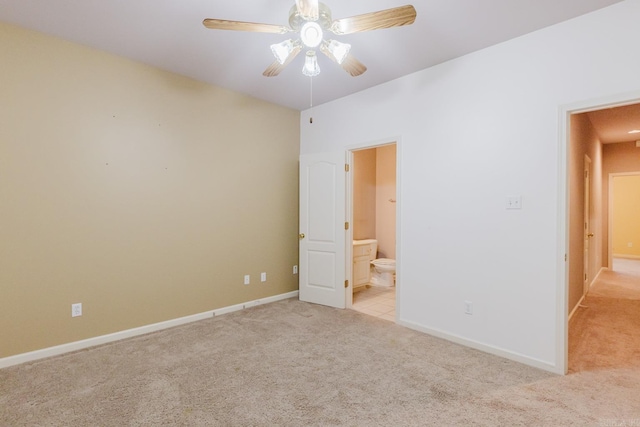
point(597, 276)
point(625, 256)
point(526, 360)
point(116, 336)
point(576, 308)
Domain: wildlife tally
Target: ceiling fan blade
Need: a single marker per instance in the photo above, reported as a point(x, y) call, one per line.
point(395, 17)
point(275, 68)
point(223, 24)
point(308, 9)
point(352, 66)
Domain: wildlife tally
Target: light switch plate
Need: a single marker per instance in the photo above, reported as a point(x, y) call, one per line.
point(514, 202)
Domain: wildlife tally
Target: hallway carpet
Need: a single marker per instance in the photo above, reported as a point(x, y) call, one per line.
point(605, 330)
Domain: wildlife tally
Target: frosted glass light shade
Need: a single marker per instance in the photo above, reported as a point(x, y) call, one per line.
point(282, 50)
point(338, 50)
point(311, 67)
point(311, 34)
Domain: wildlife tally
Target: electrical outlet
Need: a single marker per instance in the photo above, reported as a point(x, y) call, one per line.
point(295, 269)
point(247, 279)
point(468, 307)
point(76, 309)
point(263, 277)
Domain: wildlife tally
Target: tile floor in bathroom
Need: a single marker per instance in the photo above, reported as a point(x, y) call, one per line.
point(376, 301)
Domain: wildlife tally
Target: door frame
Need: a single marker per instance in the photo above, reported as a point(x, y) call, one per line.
point(586, 268)
point(349, 203)
point(562, 279)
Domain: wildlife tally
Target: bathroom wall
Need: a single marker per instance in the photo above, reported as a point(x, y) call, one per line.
point(626, 216)
point(364, 194)
point(385, 200)
point(374, 185)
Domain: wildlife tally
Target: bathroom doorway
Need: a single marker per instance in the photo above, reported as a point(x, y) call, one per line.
point(373, 209)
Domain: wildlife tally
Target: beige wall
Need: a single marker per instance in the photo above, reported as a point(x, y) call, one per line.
point(142, 194)
point(364, 194)
point(584, 141)
point(626, 216)
point(385, 209)
point(617, 158)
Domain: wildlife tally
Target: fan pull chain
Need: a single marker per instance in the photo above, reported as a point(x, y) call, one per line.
point(311, 99)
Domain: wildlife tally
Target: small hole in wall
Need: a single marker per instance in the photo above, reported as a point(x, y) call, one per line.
point(310, 119)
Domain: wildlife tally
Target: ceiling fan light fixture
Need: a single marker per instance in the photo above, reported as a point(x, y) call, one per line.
point(311, 67)
point(311, 34)
point(282, 50)
point(338, 50)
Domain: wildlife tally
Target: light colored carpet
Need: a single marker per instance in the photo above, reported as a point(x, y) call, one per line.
point(604, 332)
point(295, 364)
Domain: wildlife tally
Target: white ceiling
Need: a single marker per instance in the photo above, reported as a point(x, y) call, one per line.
point(170, 35)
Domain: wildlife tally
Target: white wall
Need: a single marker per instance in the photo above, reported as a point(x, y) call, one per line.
point(472, 132)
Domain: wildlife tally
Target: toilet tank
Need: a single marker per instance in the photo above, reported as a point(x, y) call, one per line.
point(373, 246)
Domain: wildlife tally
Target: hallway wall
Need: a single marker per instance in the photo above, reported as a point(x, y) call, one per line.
point(584, 141)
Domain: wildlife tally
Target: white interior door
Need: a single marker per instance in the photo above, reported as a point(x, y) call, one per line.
point(322, 229)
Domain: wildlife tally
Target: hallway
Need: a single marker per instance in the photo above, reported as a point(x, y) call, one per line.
point(605, 330)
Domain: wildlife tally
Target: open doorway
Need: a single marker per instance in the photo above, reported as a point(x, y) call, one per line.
point(602, 304)
point(373, 202)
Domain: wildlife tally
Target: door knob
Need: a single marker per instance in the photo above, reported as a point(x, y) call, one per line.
point(590, 235)
point(301, 236)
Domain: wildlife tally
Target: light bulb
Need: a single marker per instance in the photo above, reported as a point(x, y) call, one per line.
point(311, 67)
point(338, 50)
point(311, 34)
point(282, 50)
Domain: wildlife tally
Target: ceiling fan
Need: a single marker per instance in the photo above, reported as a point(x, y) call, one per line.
point(311, 20)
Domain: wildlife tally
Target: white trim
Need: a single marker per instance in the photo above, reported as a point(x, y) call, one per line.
point(562, 277)
point(586, 211)
point(116, 336)
point(576, 307)
point(625, 256)
point(585, 294)
point(562, 256)
point(517, 357)
point(597, 276)
point(349, 215)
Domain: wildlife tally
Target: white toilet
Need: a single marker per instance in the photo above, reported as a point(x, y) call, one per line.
point(383, 270)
